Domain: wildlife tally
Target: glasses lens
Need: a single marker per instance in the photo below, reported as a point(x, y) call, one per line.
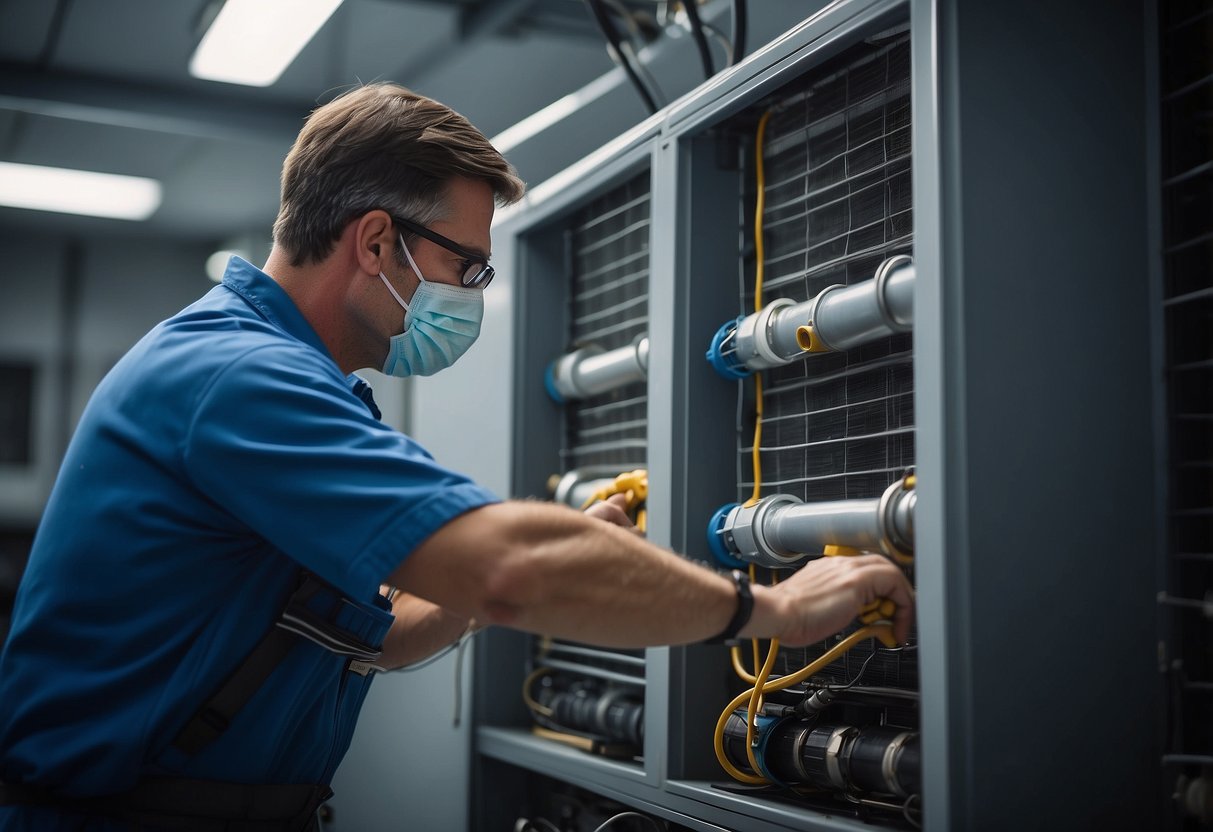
point(477, 275)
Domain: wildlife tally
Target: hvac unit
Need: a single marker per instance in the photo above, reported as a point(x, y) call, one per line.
point(867, 291)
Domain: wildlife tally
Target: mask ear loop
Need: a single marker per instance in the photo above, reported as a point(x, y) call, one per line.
point(416, 270)
point(392, 289)
point(408, 255)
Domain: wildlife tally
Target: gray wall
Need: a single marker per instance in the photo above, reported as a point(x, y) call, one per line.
point(72, 309)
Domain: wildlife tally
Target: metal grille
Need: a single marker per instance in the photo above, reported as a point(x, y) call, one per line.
point(609, 665)
point(838, 202)
point(608, 247)
point(1186, 100)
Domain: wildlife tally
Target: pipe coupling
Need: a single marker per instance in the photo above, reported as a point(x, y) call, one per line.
point(744, 534)
point(895, 515)
point(753, 340)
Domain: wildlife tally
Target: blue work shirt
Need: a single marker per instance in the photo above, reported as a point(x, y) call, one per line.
point(223, 454)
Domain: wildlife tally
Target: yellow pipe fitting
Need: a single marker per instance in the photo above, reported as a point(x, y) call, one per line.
point(808, 340)
point(635, 486)
point(880, 610)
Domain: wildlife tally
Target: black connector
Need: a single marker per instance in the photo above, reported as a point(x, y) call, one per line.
point(614, 714)
point(876, 759)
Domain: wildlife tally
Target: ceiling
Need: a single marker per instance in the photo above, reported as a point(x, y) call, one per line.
point(103, 85)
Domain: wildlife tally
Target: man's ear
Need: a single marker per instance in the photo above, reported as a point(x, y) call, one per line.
point(373, 240)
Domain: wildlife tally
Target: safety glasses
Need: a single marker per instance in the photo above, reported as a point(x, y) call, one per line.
point(477, 273)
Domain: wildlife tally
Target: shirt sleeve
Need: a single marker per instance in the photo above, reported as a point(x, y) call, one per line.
point(280, 443)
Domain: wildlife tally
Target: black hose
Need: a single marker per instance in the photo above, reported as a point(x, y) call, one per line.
point(739, 32)
point(701, 40)
point(612, 36)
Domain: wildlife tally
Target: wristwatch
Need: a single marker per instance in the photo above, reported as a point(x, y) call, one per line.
point(745, 607)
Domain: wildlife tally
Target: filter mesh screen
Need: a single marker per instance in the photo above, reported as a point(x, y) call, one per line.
point(607, 245)
point(608, 306)
point(838, 203)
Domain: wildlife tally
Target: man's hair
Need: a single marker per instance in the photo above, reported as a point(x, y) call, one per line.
point(379, 146)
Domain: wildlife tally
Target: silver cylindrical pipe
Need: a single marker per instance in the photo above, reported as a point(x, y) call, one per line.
point(846, 316)
point(810, 527)
point(590, 370)
point(838, 318)
point(577, 486)
point(781, 530)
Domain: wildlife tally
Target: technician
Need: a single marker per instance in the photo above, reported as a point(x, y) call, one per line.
point(208, 592)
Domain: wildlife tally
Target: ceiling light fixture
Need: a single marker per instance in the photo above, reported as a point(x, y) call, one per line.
point(252, 42)
point(78, 191)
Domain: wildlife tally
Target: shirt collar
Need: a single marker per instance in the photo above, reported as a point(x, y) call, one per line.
point(271, 300)
point(362, 390)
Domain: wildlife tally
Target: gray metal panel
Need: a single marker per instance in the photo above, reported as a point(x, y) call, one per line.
point(697, 256)
point(941, 514)
point(666, 453)
point(1036, 570)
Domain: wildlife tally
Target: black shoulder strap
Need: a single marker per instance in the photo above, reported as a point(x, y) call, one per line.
point(217, 712)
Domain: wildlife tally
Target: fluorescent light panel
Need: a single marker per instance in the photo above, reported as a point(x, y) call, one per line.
point(78, 191)
point(252, 42)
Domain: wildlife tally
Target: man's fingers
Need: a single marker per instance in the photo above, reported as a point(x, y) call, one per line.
point(891, 583)
point(612, 510)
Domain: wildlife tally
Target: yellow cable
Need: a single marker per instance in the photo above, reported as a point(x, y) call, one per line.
point(739, 668)
point(756, 457)
point(755, 703)
point(759, 207)
point(542, 710)
point(882, 631)
point(735, 651)
point(756, 454)
point(760, 681)
point(759, 271)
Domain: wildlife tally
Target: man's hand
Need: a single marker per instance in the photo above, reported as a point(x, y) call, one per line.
point(827, 594)
point(613, 510)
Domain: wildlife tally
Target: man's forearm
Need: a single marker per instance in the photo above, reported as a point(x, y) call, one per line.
point(546, 569)
point(420, 630)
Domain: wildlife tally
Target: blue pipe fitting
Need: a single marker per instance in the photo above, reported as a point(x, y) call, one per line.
point(727, 366)
point(549, 383)
point(764, 729)
point(716, 537)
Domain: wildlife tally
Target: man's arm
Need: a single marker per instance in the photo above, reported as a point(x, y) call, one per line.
point(549, 569)
point(421, 629)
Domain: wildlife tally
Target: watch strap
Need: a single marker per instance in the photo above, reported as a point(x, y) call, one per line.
point(745, 608)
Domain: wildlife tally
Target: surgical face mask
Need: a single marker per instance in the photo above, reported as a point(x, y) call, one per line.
point(439, 325)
